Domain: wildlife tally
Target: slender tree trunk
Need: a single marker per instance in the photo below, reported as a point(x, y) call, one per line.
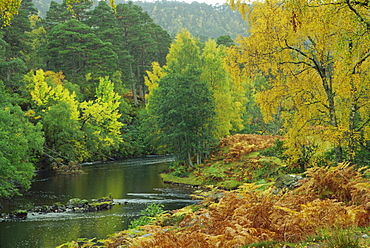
point(189, 160)
point(327, 84)
point(133, 87)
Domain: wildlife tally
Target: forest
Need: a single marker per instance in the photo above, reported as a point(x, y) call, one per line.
point(87, 67)
point(102, 82)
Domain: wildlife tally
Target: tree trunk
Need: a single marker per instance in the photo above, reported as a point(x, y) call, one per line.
point(133, 87)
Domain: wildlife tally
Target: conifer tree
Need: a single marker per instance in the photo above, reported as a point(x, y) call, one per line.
point(77, 51)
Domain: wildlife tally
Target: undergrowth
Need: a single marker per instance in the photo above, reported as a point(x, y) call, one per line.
point(330, 208)
point(237, 159)
point(148, 215)
point(251, 215)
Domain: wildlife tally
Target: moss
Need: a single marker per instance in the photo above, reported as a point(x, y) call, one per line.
point(19, 212)
point(191, 180)
point(229, 184)
point(97, 204)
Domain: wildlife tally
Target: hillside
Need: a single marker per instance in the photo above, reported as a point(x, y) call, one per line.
point(202, 20)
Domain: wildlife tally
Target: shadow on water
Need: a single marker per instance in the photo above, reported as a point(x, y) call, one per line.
point(133, 183)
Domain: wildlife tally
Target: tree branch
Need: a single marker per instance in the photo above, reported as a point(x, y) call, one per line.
point(358, 14)
point(360, 62)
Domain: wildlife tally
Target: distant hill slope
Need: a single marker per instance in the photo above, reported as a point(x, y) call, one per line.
point(202, 20)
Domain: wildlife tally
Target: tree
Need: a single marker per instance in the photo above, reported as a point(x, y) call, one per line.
point(218, 80)
point(200, 19)
point(314, 56)
point(185, 125)
point(11, 69)
point(75, 50)
point(21, 142)
point(38, 40)
point(75, 131)
point(100, 120)
point(144, 42)
point(57, 109)
point(105, 25)
point(182, 103)
point(16, 46)
point(225, 40)
point(56, 14)
point(79, 8)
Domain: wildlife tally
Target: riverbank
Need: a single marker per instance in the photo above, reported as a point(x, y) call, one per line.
point(134, 181)
point(238, 159)
point(263, 207)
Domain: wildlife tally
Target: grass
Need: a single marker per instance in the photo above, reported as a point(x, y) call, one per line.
point(190, 180)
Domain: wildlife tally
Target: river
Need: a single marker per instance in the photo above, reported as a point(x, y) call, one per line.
point(135, 182)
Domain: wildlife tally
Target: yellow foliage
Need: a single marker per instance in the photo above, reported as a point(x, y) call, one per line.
point(241, 144)
point(314, 55)
point(8, 8)
point(44, 94)
point(152, 79)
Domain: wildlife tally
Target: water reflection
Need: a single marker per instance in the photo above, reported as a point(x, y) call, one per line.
point(133, 183)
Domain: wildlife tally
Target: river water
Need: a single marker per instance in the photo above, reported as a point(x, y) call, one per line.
point(132, 181)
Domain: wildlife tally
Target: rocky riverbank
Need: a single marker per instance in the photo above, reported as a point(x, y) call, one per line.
point(73, 205)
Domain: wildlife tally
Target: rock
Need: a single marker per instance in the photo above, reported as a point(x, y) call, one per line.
point(18, 215)
point(73, 205)
point(76, 202)
point(287, 181)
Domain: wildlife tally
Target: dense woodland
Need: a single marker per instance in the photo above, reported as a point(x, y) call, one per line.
point(91, 83)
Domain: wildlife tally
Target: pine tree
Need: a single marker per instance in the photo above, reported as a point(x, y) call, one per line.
point(77, 51)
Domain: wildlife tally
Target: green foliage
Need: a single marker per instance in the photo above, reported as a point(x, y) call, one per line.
point(144, 41)
point(21, 142)
point(56, 14)
point(77, 51)
point(179, 170)
point(225, 40)
point(148, 215)
point(184, 124)
point(63, 134)
point(100, 120)
point(181, 106)
point(72, 244)
point(276, 150)
point(214, 73)
point(75, 131)
point(15, 46)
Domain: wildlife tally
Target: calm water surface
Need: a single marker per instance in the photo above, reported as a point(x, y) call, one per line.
point(132, 181)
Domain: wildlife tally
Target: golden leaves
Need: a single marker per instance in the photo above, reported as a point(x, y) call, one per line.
point(315, 58)
point(241, 144)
